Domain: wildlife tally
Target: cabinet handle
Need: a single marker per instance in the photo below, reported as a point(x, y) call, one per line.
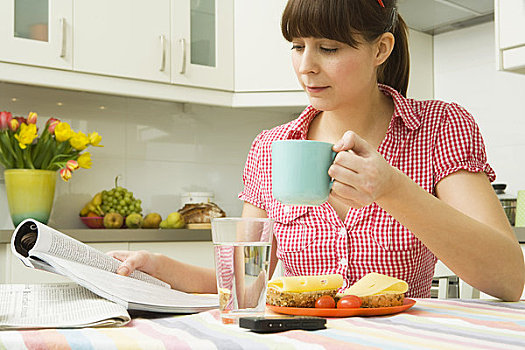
point(163, 53)
point(183, 58)
point(63, 37)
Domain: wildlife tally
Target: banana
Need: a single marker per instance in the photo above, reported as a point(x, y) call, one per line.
point(84, 211)
point(97, 199)
point(93, 206)
point(99, 210)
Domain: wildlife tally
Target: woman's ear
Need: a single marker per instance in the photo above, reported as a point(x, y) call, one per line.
point(384, 45)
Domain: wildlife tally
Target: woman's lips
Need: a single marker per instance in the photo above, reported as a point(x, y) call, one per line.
point(316, 89)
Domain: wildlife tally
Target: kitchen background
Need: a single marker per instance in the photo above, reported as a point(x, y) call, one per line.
point(163, 148)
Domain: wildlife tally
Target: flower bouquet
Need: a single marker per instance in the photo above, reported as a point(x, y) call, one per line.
point(32, 160)
point(57, 148)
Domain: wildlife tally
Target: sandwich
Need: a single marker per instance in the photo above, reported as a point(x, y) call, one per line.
point(377, 290)
point(302, 291)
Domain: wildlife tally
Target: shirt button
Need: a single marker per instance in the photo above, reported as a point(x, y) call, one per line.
point(342, 232)
point(343, 262)
point(287, 209)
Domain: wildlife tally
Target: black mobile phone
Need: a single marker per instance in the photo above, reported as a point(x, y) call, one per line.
point(266, 324)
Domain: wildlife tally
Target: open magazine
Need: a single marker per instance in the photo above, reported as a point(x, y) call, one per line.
point(41, 247)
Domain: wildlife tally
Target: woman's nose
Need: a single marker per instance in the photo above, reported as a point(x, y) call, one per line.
point(308, 63)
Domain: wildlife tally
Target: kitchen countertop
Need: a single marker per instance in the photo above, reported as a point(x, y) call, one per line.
point(127, 235)
point(156, 235)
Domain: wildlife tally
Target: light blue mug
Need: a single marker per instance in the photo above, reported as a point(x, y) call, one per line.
point(300, 171)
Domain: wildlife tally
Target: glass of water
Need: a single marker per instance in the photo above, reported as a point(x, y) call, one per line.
point(242, 249)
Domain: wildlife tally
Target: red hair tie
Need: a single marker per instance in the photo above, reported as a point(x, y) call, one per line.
point(381, 3)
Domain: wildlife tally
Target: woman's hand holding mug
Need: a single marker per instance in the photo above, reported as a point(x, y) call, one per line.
point(361, 175)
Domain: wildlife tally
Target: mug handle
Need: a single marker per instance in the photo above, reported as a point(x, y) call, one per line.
point(331, 179)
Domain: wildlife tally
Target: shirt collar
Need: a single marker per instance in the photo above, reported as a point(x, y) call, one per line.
point(298, 128)
point(403, 108)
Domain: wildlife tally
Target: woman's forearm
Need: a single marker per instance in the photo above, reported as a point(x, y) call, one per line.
point(484, 256)
point(185, 277)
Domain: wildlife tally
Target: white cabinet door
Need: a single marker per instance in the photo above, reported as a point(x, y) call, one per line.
point(262, 55)
point(194, 253)
point(36, 32)
point(124, 38)
point(511, 22)
point(202, 43)
point(510, 37)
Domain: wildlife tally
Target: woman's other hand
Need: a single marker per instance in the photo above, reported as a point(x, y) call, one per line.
point(361, 175)
point(136, 260)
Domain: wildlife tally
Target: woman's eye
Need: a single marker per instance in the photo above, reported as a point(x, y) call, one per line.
point(297, 47)
point(328, 50)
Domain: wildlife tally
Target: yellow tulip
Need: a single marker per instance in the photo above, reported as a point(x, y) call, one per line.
point(78, 141)
point(94, 139)
point(84, 160)
point(63, 132)
point(26, 135)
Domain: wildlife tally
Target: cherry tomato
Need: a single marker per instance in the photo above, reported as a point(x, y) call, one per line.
point(349, 301)
point(325, 302)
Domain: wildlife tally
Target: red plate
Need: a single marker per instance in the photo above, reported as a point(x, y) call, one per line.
point(335, 312)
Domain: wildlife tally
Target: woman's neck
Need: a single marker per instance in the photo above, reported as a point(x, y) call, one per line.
point(369, 119)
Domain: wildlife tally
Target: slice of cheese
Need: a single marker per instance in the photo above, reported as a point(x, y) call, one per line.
point(376, 283)
point(306, 283)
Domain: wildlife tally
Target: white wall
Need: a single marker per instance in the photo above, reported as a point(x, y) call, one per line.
point(465, 72)
point(160, 148)
point(421, 82)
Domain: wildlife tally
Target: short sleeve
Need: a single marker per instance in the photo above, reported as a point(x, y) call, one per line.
point(252, 175)
point(459, 145)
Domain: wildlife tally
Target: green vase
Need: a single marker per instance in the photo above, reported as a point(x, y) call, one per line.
point(30, 193)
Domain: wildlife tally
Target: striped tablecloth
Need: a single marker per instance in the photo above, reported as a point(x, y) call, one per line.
point(430, 324)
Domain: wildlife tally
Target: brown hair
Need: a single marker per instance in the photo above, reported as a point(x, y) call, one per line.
point(342, 20)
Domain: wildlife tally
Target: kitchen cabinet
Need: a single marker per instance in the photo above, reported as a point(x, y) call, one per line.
point(226, 53)
point(36, 32)
point(509, 16)
point(124, 38)
point(202, 45)
point(262, 55)
point(231, 45)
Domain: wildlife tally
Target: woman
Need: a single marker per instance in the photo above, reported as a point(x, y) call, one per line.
point(411, 179)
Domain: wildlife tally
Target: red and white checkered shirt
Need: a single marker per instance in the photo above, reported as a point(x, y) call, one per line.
point(427, 140)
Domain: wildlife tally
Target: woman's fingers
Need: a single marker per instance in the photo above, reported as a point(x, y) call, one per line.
point(119, 254)
point(349, 160)
point(130, 261)
point(361, 174)
point(353, 196)
point(352, 141)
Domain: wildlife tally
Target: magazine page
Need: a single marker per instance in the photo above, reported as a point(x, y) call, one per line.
point(131, 293)
point(32, 236)
point(61, 305)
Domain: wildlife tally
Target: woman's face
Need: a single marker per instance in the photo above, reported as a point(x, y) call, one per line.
point(334, 74)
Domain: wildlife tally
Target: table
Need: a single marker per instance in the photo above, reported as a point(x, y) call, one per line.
point(429, 324)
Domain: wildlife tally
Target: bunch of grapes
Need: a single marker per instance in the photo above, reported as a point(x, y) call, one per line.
point(120, 200)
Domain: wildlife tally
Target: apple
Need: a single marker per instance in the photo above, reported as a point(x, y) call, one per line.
point(113, 220)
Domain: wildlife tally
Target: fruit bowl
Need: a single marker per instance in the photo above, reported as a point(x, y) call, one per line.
point(93, 221)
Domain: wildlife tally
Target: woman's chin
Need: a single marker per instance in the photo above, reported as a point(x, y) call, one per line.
point(320, 104)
